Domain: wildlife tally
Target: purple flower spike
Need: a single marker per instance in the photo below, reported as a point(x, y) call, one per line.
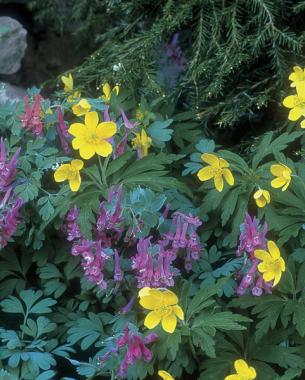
point(136, 349)
point(62, 130)
point(8, 169)
point(127, 122)
point(252, 237)
point(118, 274)
point(9, 221)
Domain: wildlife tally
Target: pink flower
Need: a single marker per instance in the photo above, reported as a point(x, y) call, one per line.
point(63, 133)
point(9, 221)
point(31, 119)
point(136, 349)
point(252, 237)
point(8, 169)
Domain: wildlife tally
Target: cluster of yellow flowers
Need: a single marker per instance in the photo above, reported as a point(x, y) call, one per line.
point(91, 137)
point(218, 169)
point(296, 103)
point(243, 372)
point(164, 308)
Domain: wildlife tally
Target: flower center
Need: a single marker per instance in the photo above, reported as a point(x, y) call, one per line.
point(72, 173)
point(93, 139)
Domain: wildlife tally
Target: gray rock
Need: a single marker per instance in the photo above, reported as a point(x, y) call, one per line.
point(10, 93)
point(12, 45)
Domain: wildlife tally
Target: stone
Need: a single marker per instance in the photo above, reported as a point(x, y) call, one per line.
point(11, 93)
point(13, 43)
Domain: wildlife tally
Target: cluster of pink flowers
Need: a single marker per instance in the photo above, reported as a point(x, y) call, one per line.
point(9, 203)
point(252, 237)
point(152, 262)
point(108, 232)
point(149, 274)
point(31, 121)
point(156, 270)
point(135, 347)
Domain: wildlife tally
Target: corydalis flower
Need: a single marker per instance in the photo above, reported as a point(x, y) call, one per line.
point(109, 223)
point(149, 272)
point(252, 236)
point(164, 307)
point(62, 130)
point(107, 92)
point(30, 121)
point(91, 137)
point(136, 349)
point(9, 219)
point(217, 168)
point(118, 273)
point(142, 142)
point(71, 227)
point(8, 168)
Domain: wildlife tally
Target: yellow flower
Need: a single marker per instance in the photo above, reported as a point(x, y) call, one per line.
point(68, 82)
point(81, 108)
point(164, 308)
point(272, 264)
point(217, 169)
point(107, 91)
point(91, 137)
point(283, 174)
point(70, 172)
point(296, 103)
point(243, 371)
point(165, 375)
point(142, 142)
point(262, 197)
point(297, 77)
point(76, 95)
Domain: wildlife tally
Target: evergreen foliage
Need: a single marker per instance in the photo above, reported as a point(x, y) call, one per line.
point(238, 52)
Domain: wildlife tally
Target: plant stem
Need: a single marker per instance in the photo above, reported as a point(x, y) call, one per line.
point(103, 168)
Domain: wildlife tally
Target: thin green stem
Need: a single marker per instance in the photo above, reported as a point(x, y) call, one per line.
point(103, 168)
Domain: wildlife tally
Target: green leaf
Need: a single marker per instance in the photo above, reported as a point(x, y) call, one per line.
point(86, 331)
point(160, 133)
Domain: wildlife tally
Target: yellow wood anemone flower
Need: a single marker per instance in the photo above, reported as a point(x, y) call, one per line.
point(164, 307)
point(68, 82)
point(91, 137)
point(165, 375)
point(262, 197)
point(243, 371)
point(107, 91)
point(297, 77)
point(217, 169)
point(272, 264)
point(70, 172)
point(81, 108)
point(296, 103)
point(142, 142)
point(283, 176)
